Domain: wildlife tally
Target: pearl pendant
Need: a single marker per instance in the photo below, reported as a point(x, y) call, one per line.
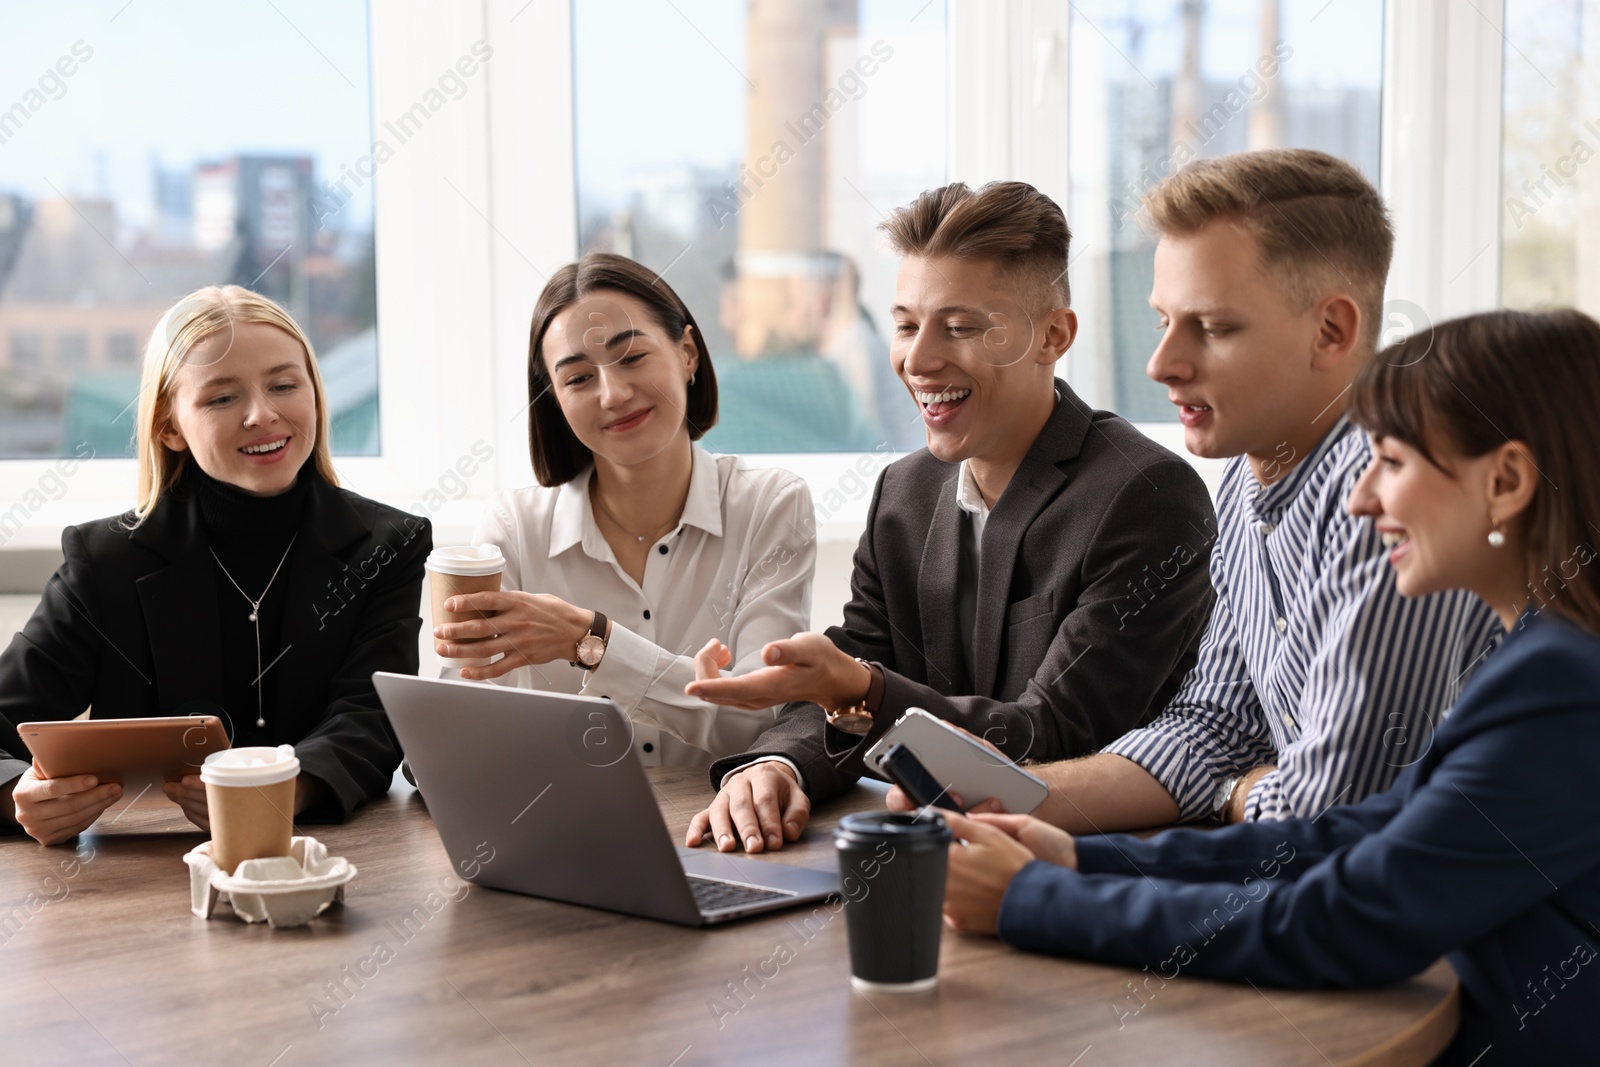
point(252, 616)
point(260, 722)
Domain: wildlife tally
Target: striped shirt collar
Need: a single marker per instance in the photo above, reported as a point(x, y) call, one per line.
point(1271, 501)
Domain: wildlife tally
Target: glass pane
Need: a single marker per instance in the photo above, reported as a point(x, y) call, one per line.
point(1551, 132)
point(149, 149)
point(1156, 83)
point(747, 151)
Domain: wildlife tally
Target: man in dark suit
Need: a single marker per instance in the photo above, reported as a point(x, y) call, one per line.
point(1037, 576)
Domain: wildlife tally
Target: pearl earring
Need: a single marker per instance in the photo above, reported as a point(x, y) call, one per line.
point(1496, 538)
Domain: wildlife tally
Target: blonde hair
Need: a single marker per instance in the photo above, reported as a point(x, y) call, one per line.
point(196, 318)
point(1319, 223)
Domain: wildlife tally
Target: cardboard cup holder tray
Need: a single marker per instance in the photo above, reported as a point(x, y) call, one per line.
point(280, 890)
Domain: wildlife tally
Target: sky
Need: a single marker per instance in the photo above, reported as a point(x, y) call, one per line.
point(186, 80)
point(658, 82)
point(1335, 42)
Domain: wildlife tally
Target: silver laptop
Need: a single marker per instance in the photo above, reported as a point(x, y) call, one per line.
point(542, 793)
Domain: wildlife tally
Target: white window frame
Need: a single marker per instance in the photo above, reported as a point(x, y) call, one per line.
point(476, 210)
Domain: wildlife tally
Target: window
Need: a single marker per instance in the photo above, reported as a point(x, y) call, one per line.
point(747, 152)
point(72, 352)
point(122, 350)
point(1155, 83)
point(1551, 135)
point(27, 351)
point(154, 152)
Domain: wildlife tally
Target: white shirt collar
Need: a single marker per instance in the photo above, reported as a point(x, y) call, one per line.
point(572, 521)
point(968, 497)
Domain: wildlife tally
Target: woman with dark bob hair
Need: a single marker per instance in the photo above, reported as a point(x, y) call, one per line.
point(638, 549)
point(1486, 850)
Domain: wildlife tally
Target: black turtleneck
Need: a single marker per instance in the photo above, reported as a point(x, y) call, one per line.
point(250, 536)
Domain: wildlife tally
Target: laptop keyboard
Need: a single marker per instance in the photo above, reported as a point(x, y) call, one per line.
point(712, 894)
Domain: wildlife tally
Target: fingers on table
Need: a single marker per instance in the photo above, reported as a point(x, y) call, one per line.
point(796, 813)
point(721, 824)
point(769, 810)
point(699, 826)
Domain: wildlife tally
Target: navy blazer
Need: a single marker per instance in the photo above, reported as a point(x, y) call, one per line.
point(123, 626)
point(1486, 851)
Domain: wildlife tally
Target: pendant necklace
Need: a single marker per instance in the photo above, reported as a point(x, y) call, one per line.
point(637, 537)
point(255, 617)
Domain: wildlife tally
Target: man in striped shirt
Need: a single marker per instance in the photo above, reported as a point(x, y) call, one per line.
point(1317, 683)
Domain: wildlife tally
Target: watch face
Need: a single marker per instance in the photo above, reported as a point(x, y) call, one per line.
point(590, 649)
point(851, 722)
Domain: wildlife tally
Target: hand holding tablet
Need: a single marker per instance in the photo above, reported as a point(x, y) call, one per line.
point(113, 749)
point(80, 766)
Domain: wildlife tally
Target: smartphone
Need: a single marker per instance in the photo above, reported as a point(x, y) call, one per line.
point(954, 759)
point(921, 788)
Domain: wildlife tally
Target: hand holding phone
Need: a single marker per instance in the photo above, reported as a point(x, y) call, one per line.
point(956, 760)
point(921, 788)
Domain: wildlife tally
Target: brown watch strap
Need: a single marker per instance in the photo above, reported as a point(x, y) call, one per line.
point(597, 628)
point(874, 698)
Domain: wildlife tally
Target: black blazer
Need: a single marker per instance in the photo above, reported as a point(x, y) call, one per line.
point(126, 625)
point(1092, 596)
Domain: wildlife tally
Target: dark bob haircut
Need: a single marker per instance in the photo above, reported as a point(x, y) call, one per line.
point(1473, 384)
point(558, 456)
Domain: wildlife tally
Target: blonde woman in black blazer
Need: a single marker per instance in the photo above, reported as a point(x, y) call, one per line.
point(244, 582)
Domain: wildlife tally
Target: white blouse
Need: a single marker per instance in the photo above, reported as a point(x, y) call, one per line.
point(738, 567)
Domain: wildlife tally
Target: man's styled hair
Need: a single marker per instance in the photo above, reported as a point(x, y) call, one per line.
point(1319, 223)
point(1012, 223)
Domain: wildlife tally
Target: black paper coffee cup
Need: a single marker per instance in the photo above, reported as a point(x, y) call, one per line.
point(891, 872)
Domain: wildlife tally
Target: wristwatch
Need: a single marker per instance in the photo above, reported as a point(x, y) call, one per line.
point(592, 645)
point(857, 718)
point(1224, 794)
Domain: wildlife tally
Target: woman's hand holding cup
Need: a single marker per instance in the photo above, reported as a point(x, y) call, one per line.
point(529, 628)
point(53, 810)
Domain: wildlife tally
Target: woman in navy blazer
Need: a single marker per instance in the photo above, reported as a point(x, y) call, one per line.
point(1487, 848)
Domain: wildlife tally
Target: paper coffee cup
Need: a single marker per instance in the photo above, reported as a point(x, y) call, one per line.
point(463, 569)
point(892, 871)
point(250, 801)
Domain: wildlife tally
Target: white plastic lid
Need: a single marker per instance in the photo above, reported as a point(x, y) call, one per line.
point(250, 766)
point(467, 559)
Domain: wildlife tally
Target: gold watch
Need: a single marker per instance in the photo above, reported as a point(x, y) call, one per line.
point(857, 718)
point(592, 646)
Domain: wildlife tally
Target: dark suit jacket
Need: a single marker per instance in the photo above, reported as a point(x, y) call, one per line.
point(127, 625)
point(1092, 596)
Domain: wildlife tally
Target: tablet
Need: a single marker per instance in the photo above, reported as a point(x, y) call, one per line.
point(112, 750)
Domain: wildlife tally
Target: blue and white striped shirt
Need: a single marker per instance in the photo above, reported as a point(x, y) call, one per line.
point(1312, 660)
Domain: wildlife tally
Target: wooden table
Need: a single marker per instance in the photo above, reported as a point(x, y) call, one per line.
point(105, 964)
